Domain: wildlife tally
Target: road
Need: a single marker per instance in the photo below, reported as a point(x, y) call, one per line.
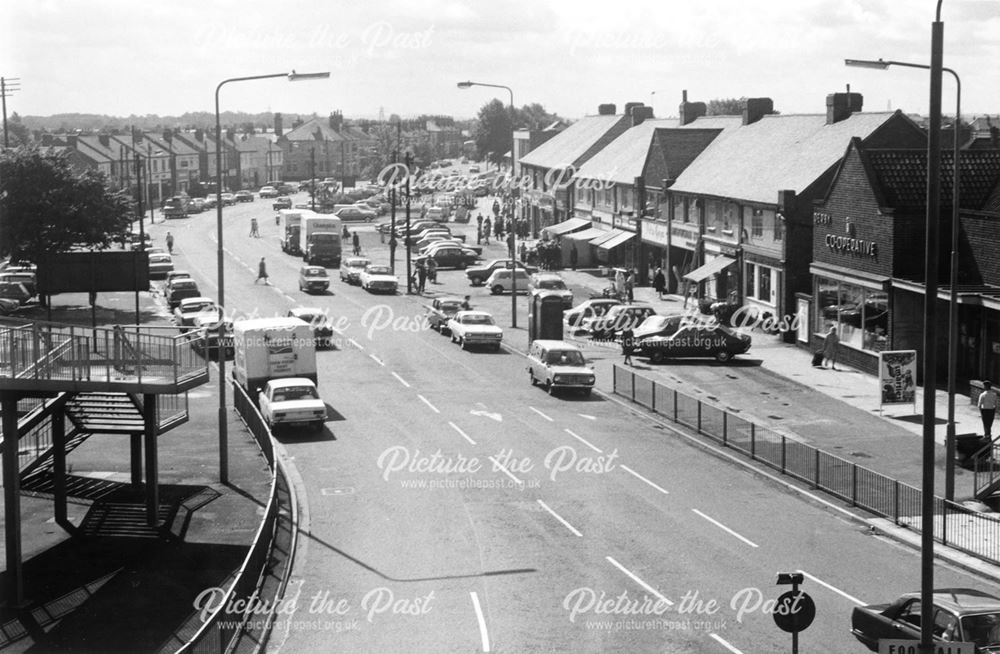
point(451, 507)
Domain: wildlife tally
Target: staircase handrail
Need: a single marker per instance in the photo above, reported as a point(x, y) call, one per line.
point(986, 466)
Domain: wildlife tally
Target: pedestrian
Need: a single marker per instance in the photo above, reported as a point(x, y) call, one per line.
point(620, 284)
point(987, 404)
point(347, 233)
point(466, 305)
point(479, 229)
point(432, 270)
point(253, 228)
point(573, 258)
point(498, 228)
point(356, 242)
point(421, 276)
point(831, 344)
point(659, 283)
point(496, 208)
point(261, 272)
point(486, 231)
point(628, 338)
point(170, 242)
point(630, 286)
point(524, 252)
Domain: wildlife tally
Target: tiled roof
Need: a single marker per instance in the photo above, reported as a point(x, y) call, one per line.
point(307, 131)
point(902, 176)
point(753, 162)
point(569, 145)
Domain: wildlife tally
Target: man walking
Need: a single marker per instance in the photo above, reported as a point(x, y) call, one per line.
point(629, 286)
point(987, 408)
point(628, 336)
point(170, 243)
point(659, 283)
point(356, 242)
point(261, 272)
point(253, 228)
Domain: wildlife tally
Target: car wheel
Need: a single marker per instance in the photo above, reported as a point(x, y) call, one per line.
point(497, 290)
point(723, 356)
point(496, 348)
point(657, 357)
point(475, 281)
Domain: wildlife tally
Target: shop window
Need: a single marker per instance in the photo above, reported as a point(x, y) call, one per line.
point(749, 282)
point(763, 284)
point(861, 314)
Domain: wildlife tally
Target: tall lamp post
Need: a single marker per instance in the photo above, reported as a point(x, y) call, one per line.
point(953, 284)
point(513, 237)
point(223, 424)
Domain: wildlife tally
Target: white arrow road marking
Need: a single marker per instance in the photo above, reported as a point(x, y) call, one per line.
point(401, 380)
point(481, 620)
point(725, 528)
point(487, 414)
point(584, 415)
point(836, 590)
point(560, 519)
point(639, 581)
point(541, 414)
point(640, 477)
point(462, 433)
point(585, 442)
point(717, 638)
point(428, 403)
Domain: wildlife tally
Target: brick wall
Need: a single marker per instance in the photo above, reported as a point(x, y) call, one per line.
point(979, 243)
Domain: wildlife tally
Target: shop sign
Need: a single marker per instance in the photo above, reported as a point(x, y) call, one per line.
point(655, 232)
point(897, 375)
point(680, 233)
point(850, 245)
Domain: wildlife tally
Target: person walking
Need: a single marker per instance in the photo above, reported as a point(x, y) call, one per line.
point(479, 229)
point(262, 272)
point(356, 242)
point(421, 277)
point(486, 231)
point(170, 243)
point(831, 345)
point(253, 228)
point(523, 250)
point(628, 338)
point(987, 404)
point(573, 258)
point(630, 286)
point(432, 270)
point(659, 283)
point(466, 305)
point(620, 284)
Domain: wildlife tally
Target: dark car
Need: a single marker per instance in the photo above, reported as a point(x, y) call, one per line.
point(28, 278)
point(355, 214)
point(179, 290)
point(573, 318)
point(722, 343)
point(282, 203)
point(478, 275)
point(454, 257)
point(321, 325)
point(616, 319)
point(210, 334)
point(313, 279)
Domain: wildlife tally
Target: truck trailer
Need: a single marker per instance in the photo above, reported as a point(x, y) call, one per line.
point(320, 240)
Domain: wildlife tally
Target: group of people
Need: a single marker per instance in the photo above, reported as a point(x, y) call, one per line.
point(424, 270)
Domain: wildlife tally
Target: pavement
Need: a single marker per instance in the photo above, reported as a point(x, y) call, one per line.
point(114, 585)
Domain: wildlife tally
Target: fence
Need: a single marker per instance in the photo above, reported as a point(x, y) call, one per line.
point(226, 624)
point(954, 525)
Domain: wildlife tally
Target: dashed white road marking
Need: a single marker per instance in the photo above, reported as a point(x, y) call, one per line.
point(640, 477)
point(428, 403)
point(725, 528)
point(481, 620)
point(500, 466)
point(401, 380)
point(822, 583)
point(376, 359)
point(584, 415)
point(639, 581)
point(541, 414)
point(462, 433)
point(717, 638)
point(355, 343)
point(560, 519)
point(585, 442)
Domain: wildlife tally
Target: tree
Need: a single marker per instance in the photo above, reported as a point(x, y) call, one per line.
point(492, 131)
point(17, 132)
point(48, 207)
point(726, 107)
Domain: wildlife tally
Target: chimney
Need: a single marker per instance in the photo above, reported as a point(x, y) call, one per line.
point(230, 133)
point(841, 105)
point(199, 135)
point(71, 141)
point(640, 114)
point(689, 111)
point(607, 109)
point(279, 126)
point(629, 106)
point(167, 135)
point(336, 120)
point(104, 139)
point(756, 108)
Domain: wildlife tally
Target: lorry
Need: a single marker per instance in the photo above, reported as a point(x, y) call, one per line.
point(289, 227)
point(320, 240)
point(272, 348)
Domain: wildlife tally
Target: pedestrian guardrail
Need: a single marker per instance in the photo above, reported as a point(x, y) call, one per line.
point(954, 525)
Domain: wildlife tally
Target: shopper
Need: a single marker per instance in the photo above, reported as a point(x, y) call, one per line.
point(356, 242)
point(170, 243)
point(987, 404)
point(261, 272)
point(659, 283)
point(628, 338)
point(253, 228)
point(831, 345)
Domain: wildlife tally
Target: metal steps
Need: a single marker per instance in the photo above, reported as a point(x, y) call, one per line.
point(105, 413)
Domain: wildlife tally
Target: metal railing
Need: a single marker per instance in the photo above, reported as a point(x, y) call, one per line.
point(954, 525)
point(986, 467)
point(50, 352)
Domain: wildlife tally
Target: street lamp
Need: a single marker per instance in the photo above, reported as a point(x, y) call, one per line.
point(513, 231)
point(953, 300)
point(223, 424)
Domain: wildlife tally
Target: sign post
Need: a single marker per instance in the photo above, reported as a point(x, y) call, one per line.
point(794, 610)
point(897, 378)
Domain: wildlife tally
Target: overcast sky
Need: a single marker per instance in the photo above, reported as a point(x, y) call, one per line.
point(123, 57)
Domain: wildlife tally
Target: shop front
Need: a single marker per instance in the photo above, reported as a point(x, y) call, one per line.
point(656, 240)
point(682, 254)
point(858, 305)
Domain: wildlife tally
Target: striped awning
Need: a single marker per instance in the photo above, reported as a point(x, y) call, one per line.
point(615, 241)
point(566, 226)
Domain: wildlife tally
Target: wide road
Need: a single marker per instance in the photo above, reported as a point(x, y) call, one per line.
point(449, 506)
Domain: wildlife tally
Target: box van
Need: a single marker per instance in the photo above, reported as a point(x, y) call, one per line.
point(558, 364)
point(272, 348)
point(500, 281)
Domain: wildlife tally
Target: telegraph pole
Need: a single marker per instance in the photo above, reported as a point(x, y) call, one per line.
point(8, 86)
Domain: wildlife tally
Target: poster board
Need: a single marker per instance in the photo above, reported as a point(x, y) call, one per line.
point(897, 378)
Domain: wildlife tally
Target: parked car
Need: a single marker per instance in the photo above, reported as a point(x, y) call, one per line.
point(196, 205)
point(228, 199)
point(588, 309)
point(559, 365)
point(355, 214)
point(479, 274)
point(441, 310)
point(179, 290)
point(438, 214)
point(15, 291)
point(175, 274)
point(501, 281)
point(210, 202)
point(375, 278)
point(282, 203)
point(321, 324)
point(658, 325)
point(960, 615)
point(694, 342)
point(433, 237)
point(351, 269)
point(267, 192)
point(175, 207)
point(243, 196)
point(453, 256)
point(616, 319)
point(313, 279)
point(28, 278)
point(216, 333)
point(8, 306)
point(553, 283)
point(473, 328)
point(192, 307)
point(415, 226)
point(160, 264)
point(291, 401)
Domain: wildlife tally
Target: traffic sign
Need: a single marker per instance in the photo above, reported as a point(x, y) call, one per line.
point(896, 646)
point(794, 611)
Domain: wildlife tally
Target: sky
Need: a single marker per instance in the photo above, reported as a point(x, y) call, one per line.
point(121, 57)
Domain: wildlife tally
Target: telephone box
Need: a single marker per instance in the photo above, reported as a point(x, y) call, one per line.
point(545, 316)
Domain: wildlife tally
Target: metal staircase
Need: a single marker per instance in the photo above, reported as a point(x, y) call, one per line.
point(986, 466)
point(105, 413)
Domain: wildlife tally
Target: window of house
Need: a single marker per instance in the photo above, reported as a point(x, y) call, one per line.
point(779, 227)
point(730, 211)
point(757, 224)
point(713, 215)
point(624, 196)
point(679, 211)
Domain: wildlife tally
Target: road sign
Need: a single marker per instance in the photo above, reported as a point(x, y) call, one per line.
point(896, 646)
point(794, 611)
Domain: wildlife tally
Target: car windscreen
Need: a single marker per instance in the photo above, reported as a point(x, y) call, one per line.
point(564, 358)
point(316, 272)
point(477, 319)
point(379, 270)
point(451, 306)
point(196, 306)
point(552, 284)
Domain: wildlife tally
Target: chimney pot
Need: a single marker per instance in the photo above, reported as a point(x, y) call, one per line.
point(841, 105)
point(756, 108)
point(607, 109)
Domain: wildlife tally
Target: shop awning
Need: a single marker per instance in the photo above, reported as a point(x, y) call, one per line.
point(587, 234)
point(566, 226)
point(713, 267)
point(607, 236)
point(615, 241)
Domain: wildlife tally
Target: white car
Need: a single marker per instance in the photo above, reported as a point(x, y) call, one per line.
point(434, 243)
point(196, 307)
point(378, 279)
point(559, 365)
point(268, 192)
point(351, 269)
point(500, 281)
point(292, 401)
point(553, 283)
point(469, 328)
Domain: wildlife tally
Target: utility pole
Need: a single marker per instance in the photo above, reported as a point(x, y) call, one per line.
point(8, 86)
point(392, 218)
point(312, 177)
point(409, 274)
